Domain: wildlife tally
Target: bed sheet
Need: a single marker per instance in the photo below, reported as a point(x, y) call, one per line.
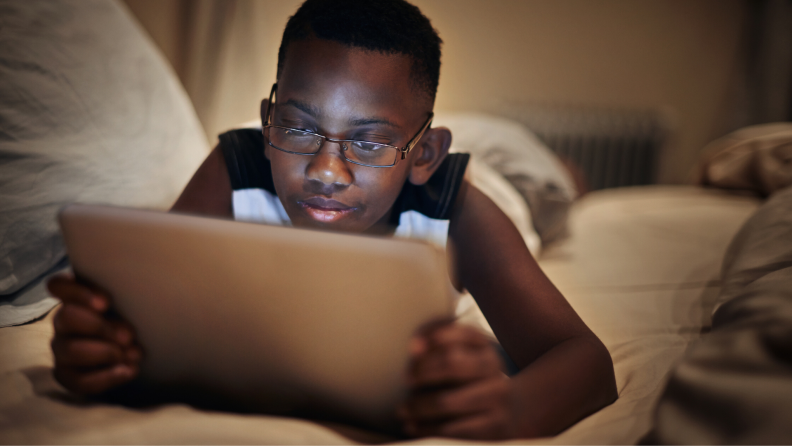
point(641, 268)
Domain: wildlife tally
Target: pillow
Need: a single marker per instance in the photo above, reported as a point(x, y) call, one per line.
point(756, 158)
point(514, 152)
point(90, 112)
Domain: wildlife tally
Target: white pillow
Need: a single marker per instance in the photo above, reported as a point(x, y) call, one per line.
point(89, 112)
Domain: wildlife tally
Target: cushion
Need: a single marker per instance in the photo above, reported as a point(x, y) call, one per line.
point(90, 112)
point(756, 158)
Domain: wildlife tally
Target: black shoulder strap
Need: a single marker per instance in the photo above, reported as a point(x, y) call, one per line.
point(248, 168)
point(435, 198)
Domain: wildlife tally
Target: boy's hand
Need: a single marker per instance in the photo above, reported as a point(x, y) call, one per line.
point(457, 386)
point(93, 353)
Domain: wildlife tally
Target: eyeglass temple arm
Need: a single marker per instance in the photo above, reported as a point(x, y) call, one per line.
point(417, 138)
point(268, 118)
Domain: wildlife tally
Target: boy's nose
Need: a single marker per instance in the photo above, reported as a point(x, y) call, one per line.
point(329, 167)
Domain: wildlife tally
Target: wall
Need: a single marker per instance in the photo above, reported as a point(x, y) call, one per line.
point(162, 20)
point(682, 55)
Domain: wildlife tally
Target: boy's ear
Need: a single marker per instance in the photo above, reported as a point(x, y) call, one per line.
point(431, 151)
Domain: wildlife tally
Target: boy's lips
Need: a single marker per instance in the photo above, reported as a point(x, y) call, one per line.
point(325, 210)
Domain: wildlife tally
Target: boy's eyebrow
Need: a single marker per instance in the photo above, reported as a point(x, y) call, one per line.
point(314, 112)
point(369, 121)
point(307, 108)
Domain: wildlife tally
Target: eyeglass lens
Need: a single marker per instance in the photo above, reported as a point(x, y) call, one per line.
point(296, 141)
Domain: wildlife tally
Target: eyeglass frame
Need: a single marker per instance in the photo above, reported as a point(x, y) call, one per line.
point(404, 150)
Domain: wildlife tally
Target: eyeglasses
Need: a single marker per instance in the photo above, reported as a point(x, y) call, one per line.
point(363, 153)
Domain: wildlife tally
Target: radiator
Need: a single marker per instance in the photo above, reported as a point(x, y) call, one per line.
point(612, 147)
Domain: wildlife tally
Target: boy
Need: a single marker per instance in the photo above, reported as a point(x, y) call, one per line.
point(347, 145)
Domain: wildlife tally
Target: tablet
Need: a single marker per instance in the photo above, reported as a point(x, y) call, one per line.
point(276, 319)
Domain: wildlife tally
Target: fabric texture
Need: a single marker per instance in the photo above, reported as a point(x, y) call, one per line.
point(756, 158)
point(735, 385)
point(89, 112)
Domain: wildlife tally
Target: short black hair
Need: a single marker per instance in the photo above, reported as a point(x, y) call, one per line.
point(386, 26)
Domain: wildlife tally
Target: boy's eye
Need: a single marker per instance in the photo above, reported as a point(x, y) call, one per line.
point(371, 153)
point(366, 146)
point(295, 131)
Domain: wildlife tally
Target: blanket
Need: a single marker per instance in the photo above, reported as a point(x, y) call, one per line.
point(735, 385)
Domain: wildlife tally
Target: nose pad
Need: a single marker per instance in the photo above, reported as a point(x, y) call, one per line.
point(328, 166)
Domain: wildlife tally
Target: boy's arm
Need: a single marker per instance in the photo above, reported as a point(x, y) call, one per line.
point(209, 190)
point(566, 372)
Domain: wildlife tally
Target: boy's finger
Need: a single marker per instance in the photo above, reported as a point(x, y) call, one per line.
point(66, 288)
point(453, 366)
point(454, 334)
point(458, 402)
point(435, 407)
point(444, 334)
point(74, 320)
point(133, 355)
point(93, 382)
point(434, 324)
point(418, 346)
point(80, 352)
point(77, 320)
point(122, 332)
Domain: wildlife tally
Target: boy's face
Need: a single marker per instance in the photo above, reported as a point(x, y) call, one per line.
point(344, 93)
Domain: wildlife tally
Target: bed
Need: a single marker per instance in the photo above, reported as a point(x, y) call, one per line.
point(667, 241)
point(642, 265)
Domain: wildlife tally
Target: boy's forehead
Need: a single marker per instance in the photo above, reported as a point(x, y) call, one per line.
point(316, 68)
